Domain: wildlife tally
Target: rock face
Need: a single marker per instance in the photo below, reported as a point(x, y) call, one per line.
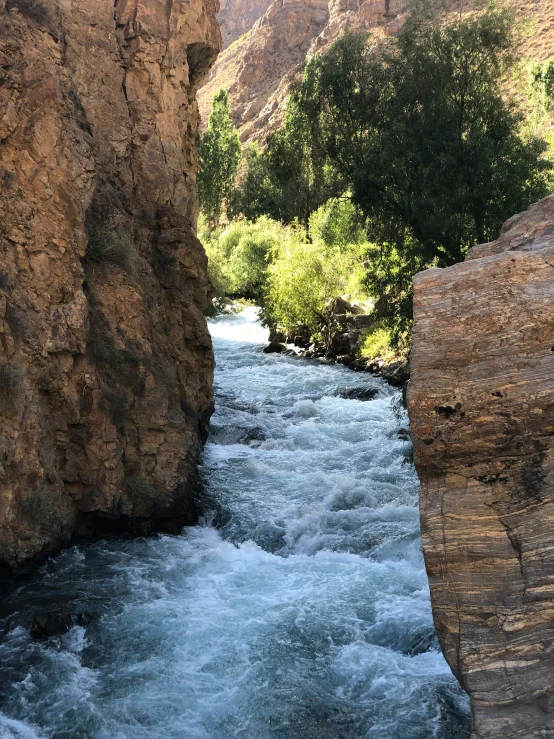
point(236, 17)
point(481, 402)
point(258, 67)
point(105, 358)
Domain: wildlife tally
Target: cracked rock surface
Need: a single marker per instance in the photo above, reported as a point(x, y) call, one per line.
point(105, 358)
point(481, 403)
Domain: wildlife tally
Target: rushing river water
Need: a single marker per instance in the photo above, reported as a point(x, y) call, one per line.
point(299, 610)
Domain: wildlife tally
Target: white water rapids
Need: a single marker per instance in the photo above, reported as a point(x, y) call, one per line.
point(299, 609)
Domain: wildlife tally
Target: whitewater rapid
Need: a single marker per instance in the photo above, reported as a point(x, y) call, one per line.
point(298, 609)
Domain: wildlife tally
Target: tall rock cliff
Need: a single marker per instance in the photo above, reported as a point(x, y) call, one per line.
point(105, 358)
point(236, 17)
point(481, 402)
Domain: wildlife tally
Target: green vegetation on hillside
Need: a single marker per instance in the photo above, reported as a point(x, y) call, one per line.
point(392, 158)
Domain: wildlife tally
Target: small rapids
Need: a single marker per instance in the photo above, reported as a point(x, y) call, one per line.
point(299, 609)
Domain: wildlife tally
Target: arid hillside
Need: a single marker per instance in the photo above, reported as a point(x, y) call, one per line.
point(264, 43)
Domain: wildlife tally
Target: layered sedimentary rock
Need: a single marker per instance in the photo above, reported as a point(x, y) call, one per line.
point(105, 358)
point(481, 402)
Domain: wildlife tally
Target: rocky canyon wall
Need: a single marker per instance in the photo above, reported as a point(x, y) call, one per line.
point(481, 403)
point(105, 358)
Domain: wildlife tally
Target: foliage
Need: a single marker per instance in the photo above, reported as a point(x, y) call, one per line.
point(110, 243)
point(219, 152)
point(376, 342)
point(257, 192)
point(424, 135)
point(310, 267)
point(543, 82)
point(290, 270)
point(540, 95)
point(338, 223)
point(238, 256)
point(291, 178)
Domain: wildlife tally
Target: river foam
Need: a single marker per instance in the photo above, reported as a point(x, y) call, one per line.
point(298, 610)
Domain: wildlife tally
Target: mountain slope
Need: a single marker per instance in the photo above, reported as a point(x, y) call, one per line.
point(257, 66)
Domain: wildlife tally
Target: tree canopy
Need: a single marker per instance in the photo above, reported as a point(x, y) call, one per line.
point(219, 152)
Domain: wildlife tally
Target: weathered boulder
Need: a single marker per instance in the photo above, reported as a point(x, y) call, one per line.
point(274, 347)
point(58, 623)
point(105, 358)
point(481, 403)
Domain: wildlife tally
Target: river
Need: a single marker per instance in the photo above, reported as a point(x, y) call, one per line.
point(298, 609)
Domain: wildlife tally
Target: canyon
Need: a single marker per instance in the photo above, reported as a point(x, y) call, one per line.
point(105, 358)
point(481, 402)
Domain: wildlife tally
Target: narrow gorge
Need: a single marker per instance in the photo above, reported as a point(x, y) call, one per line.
point(203, 536)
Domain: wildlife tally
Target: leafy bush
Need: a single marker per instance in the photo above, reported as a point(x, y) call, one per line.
point(238, 256)
point(304, 275)
point(110, 243)
point(289, 270)
point(338, 223)
point(376, 343)
point(139, 488)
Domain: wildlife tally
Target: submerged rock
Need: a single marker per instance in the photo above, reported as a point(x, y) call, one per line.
point(58, 623)
point(481, 403)
point(359, 393)
point(274, 347)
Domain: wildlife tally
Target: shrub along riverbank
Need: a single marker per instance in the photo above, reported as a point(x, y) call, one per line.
point(393, 157)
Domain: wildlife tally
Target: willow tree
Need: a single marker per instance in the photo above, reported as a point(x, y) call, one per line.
point(219, 153)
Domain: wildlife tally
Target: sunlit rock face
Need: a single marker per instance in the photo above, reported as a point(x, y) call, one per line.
point(236, 17)
point(105, 358)
point(258, 67)
point(481, 403)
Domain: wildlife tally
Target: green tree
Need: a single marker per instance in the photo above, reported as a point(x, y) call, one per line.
point(293, 176)
point(427, 139)
point(219, 152)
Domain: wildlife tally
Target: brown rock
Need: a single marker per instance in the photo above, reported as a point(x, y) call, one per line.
point(481, 402)
point(236, 17)
point(58, 623)
point(274, 347)
point(105, 357)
